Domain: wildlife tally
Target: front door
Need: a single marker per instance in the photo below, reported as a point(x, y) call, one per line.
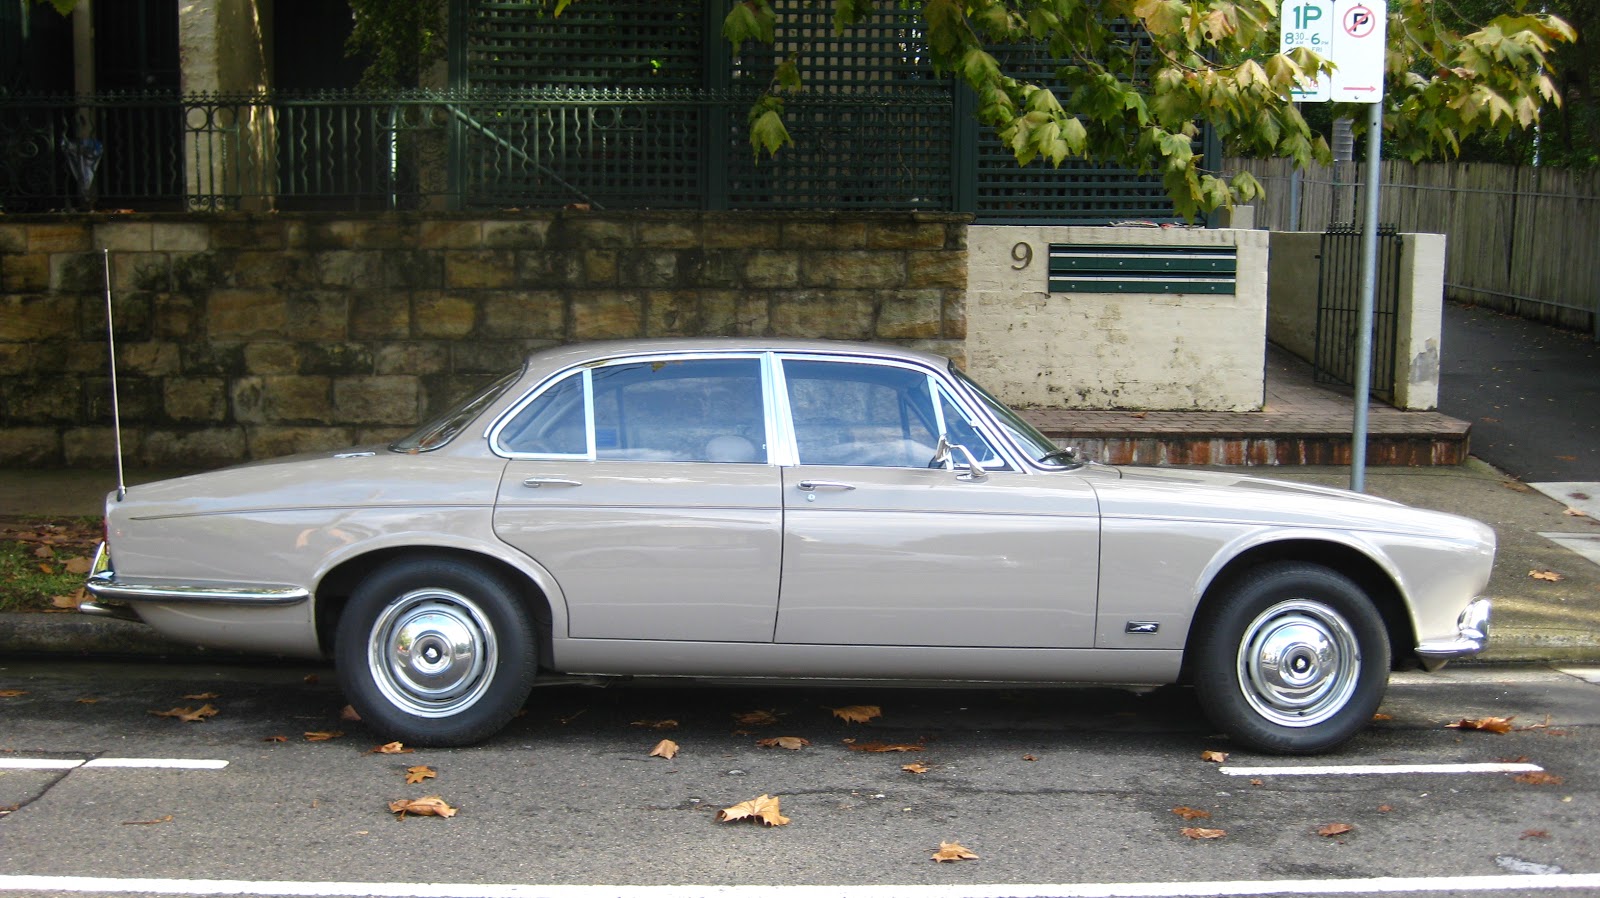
point(881, 549)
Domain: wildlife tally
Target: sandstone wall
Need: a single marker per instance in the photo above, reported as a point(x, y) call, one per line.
point(249, 336)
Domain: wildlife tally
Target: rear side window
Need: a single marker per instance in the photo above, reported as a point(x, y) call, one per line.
point(697, 410)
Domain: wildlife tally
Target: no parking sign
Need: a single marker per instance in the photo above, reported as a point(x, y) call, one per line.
point(1351, 34)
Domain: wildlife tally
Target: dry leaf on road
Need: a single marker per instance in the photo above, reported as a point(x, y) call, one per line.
point(857, 713)
point(1191, 813)
point(1535, 834)
point(757, 718)
point(274, 738)
point(1215, 757)
point(391, 748)
point(1334, 829)
point(1551, 576)
point(429, 806)
point(164, 819)
point(1199, 832)
point(792, 743)
point(202, 696)
point(323, 735)
point(666, 748)
point(763, 809)
point(1486, 724)
point(953, 851)
point(419, 773)
point(348, 714)
point(1574, 512)
point(12, 693)
point(916, 767)
point(655, 724)
point(1538, 778)
point(189, 715)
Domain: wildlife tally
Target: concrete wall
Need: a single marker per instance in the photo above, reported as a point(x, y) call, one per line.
point(249, 336)
point(1034, 348)
point(1292, 309)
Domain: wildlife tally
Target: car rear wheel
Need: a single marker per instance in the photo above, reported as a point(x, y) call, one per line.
point(436, 652)
point(1293, 658)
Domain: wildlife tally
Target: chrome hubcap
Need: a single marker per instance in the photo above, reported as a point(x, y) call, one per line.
point(1299, 662)
point(432, 653)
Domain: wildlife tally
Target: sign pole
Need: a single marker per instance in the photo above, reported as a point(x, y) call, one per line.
point(1369, 285)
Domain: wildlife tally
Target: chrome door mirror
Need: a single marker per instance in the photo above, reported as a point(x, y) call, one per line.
point(944, 456)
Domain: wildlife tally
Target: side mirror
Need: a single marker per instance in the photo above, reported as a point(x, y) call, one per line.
point(943, 457)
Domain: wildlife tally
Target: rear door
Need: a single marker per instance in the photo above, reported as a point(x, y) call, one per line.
point(645, 488)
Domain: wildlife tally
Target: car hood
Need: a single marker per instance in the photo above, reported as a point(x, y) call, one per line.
point(1239, 498)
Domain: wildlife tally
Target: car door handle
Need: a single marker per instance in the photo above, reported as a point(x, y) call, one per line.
point(814, 485)
point(536, 482)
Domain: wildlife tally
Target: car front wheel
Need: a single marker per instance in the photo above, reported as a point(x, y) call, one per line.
point(434, 651)
point(1292, 659)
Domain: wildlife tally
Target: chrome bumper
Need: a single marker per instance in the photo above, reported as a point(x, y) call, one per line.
point(1472, 636)
point(103, 584)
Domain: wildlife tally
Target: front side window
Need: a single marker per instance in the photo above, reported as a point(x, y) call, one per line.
point(848, 413)
point(705, 410)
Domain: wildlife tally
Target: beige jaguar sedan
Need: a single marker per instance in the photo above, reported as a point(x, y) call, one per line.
point(770, 508)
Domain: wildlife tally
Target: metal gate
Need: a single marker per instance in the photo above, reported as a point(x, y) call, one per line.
point(1338, 308)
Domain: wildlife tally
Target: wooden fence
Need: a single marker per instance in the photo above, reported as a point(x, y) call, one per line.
point(1521, 240)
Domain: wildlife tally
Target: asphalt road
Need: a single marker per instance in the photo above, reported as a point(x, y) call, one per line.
point(1071, 787)
point(1531, 392)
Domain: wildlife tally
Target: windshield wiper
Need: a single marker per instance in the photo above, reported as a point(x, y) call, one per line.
point(1068, 454)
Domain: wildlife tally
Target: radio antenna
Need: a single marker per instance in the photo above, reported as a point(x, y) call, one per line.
point(111, 345)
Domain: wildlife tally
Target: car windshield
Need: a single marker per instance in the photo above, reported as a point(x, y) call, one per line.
point(1039, 447)
point(444, 428)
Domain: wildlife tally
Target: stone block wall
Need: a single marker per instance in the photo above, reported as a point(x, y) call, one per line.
point(246, 336)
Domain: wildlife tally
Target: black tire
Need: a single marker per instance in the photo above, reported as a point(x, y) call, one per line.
point(1292, 659)
point(393, 667)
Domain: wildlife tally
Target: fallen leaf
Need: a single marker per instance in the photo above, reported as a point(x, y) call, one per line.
point(1535, 834)
point(12, 693)
point(309, 679)
point(1334, 829)
point(1538, 778)
point(881, 747)
point(666, 748)
point(275, 739)
point(1030, 757)
point(166, 819)
point(1486, 724)
point(1519, 759)
point(1576, 512)
point(656, 724)
point(348, 714)
point(1382, 717)
point(1519, 487)
point(1188, 813)
point(916, 767)
point(792, 743)
point(1551, 576)
point(202, 697)
point(87, 701)
point(857, 713)
point(323, 735)
point(189, 715)
point(78, 565)
point(391, 748)
point(1198, 833)
point(1385, 808)
point(571, 717)
point(756, 718)
point(1566, 458)
point(1215, 757)
point(419, 773)
point(763, 809)
point(44, 552)
point(70, 600)
point(1257, 782)
point(428, 806)
point(953, 851)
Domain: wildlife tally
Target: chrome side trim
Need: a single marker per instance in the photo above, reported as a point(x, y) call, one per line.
point(1473, 635)
point(119, 612)
point(103, 584)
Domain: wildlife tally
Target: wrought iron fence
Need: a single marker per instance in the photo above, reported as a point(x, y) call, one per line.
point(897, 147)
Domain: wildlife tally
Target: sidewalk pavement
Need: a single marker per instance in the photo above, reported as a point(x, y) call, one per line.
point(1535, 620)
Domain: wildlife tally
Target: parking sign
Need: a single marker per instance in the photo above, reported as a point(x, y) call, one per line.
point(1349, 33)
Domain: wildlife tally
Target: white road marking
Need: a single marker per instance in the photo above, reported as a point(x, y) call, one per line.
point(1375, 886)
point(1378, 769)
point(1585, 544)
point(144, 763)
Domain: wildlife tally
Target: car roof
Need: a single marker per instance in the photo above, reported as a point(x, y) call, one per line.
point(571, 354)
